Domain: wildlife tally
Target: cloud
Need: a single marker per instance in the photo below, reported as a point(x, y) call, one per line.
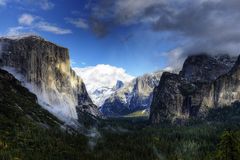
point(30, 24)
point(83, 63)
point(101, 79)
point(19, 30)
point(198, 26)
point(108, 14)
point(28, 4)
point(88, 5)
point(208, 26)
point(45, 26)
point(72, 62)
point(175, 58)
point(102, 75)
point(45, 4)
point(26, 19)
point(42, 4)
point(3, 2)
point(79, 23)
point(99, 27)
point(13, 31)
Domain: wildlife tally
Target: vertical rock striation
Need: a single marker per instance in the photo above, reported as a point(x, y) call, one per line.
point(225, 90)
point(45, 68)
point(183, 95)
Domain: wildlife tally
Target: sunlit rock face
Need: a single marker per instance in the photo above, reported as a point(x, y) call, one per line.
point(183, 95)
point(45, 69)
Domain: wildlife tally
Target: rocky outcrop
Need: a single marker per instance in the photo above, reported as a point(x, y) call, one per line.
point(204, 68)
point(119, 85)
point(45, 69)
point(133, 96)
point(225, 90)
point(180, 96)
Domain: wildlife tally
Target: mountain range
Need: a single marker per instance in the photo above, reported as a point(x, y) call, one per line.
point(133, 96)
point(44, 68)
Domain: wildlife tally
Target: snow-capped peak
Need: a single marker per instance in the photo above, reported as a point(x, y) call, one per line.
point(103, 80)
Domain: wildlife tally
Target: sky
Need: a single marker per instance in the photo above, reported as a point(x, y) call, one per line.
point(139, 36)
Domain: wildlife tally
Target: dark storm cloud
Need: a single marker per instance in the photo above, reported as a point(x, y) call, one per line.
point(204, 25)
point(100, 28)
point(209, 25)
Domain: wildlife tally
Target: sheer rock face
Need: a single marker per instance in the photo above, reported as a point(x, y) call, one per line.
point(133, 96)
point(183, 95)
point(225, 90)
point(203, 68)
point(46, 67)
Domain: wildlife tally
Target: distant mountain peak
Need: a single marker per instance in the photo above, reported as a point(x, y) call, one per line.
point(103, 80)
point(133, 96)
point(119, 84)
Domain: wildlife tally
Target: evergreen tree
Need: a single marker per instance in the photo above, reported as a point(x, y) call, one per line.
point(228, 148)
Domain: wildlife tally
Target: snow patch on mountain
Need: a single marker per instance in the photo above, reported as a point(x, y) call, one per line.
point(133, 96)
point(102, 80)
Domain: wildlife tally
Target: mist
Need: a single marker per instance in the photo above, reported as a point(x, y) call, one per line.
point(56, 103)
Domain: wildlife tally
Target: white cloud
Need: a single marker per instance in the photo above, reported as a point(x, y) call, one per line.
point(45, 26)
point(26, 19)
point(83, 63)
point(15, 31)
point(30, 24)
point(102, 78)
point(46, 4)
point(79, 23)
point(72, 62)
point(3, 2)
point(42, 4)
point(102, 75)
point(175, 58)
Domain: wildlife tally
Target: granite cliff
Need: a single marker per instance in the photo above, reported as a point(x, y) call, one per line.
point(44, 68)
point(225, 90)
point(194, 90)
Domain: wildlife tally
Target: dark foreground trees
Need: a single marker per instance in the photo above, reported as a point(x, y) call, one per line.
point(229, 146)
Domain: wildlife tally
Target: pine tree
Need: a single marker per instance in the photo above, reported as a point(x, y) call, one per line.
point(229, 147)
